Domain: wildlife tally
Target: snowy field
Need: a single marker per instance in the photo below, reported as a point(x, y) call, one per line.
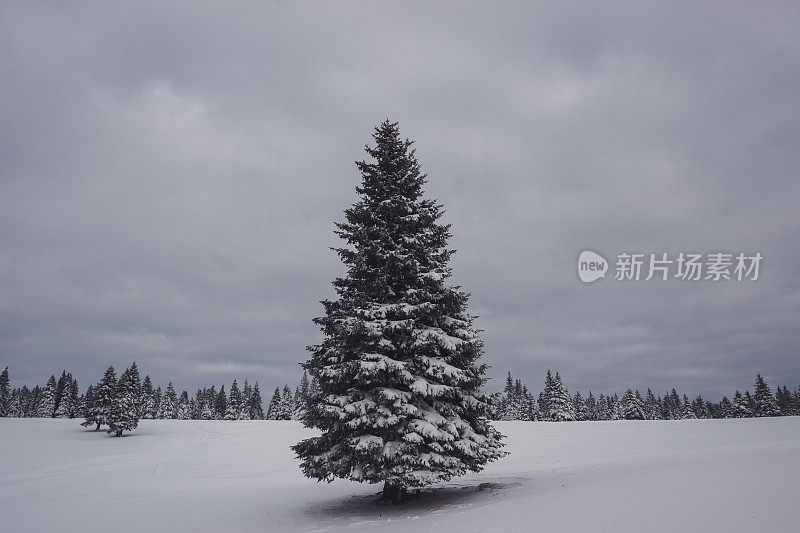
point(692, 475)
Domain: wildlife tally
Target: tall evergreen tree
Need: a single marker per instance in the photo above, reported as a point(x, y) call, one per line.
point(561, 407)
point(687, 412)
point(220, 404)
point(168, 408)
point(184, 408)
point(244, 408)
point(287, 404)
point(632, 406)
point(765, 404)
point(274, 408)
point(124, 414)
point(234, 407)
point(98, 410)
point(400, 400)
point(5, 393)
point(47, 402)
point(256, 404)
point(147, 406)
point(579, 407)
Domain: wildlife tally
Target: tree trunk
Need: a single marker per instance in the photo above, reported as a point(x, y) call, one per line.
point(98, 427)
point(119, 433)
point(392, 492)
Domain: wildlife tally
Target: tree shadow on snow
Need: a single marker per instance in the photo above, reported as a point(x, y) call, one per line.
point(432, 500)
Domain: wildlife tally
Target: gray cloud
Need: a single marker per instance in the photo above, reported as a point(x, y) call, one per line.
point(169, 176)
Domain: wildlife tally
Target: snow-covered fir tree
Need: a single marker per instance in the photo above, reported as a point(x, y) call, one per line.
point(256, 404)
point(99, 406)
point(68, 398)
point(5, 393)
point(287, 404)
point(244, 408)
point(687, 412)
point(633, 406)
point(400, 398)
point(147, 405)
point(579, 407)
point(765, 404)
point(124, 415)
point(560, 408)
point(184, 407)
point(168, 408)
point(273, 409)
point(591, 407)
point(652, 406)
point(47, 402)
point(234, 406)
point(220, 404)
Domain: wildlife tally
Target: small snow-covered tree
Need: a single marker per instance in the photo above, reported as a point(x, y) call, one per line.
point(234, 406)
point(184, 408)
point(274, 407)
point(98, 408)
point(765, 404)
point(632, 406)
point(220, 404)
point(168, 408)
point(400, 397)
point(244, 408)
point(147, 405)
point(741, 409)
point(5, 393)
point(287, 404)
point(561, 408)
point(591, 407)
point(688, 412)
point(256, 404)
point(124, 414)
point(47, 402)
point(579, 407)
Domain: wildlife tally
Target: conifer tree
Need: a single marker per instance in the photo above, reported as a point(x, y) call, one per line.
point(741, 408)
point(687, 412)
point(168, 408)
point(5, 393)
point(652, 408)
point(256, 404)
point(184, 407)
point(68, 403)
point(158, 397)
point(47, 402)
point(244, 409)
point(561, 407)
point(98, 410)
point(400, 399)
point(591, 407)
point(633, 407)
point(287, 404)
point(579, 407)
point(765, 404)
point(124, 414)
point(274, 408)
point(234, 406)
point(220, 404)
point(147, 406)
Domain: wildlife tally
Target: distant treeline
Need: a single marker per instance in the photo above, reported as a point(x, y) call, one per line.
point(62, 398)
point(554, 403)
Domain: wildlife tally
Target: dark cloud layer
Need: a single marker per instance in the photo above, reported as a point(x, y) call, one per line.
point(170, 174)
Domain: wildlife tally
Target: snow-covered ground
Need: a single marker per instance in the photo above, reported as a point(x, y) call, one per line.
point(693, 475)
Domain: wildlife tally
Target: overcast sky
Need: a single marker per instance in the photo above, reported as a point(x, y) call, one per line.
point(170, 175)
